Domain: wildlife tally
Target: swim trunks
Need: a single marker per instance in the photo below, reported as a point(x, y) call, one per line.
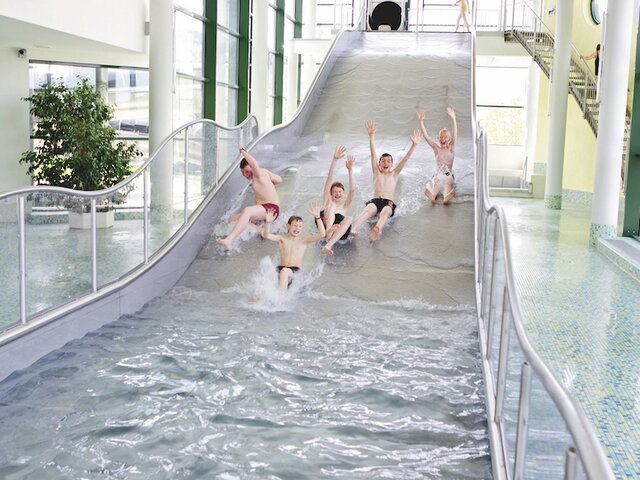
point(293, 269)
point(271, 206)
point(380, 203)
point(441, 174)
point(337, 219)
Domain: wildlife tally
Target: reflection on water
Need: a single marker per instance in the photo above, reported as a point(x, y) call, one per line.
point(219, 384)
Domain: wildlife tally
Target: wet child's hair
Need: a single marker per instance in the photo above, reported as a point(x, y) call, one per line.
point(243, 163)
point(294, 218)
point(385, 155)
point(336, 184)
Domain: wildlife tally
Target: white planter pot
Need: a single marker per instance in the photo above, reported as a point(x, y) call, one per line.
point(83, 220)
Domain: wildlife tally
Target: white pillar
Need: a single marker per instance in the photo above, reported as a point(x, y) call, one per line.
point(308, 71)
point(14, 120)
point(533, 92)
point(259, 64)
point(292, 81)
point(161, 76)
point(614, 74)
point(558, 99)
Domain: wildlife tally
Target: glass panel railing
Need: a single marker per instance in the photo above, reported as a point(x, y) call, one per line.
point(66, 258)
point(120, 232)
point(9, 262)
point(58, 250)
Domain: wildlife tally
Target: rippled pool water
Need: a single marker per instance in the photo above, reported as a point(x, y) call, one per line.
point(381, 392)
point(367, 369)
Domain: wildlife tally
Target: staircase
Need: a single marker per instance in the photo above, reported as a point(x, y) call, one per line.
point(537, 40)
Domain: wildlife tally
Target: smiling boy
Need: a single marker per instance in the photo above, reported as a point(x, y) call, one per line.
point(263, 183)
point(385, 179)
point(292, 245)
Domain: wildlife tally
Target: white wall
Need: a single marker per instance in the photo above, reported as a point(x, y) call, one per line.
point(14, 119)
point(117, 22)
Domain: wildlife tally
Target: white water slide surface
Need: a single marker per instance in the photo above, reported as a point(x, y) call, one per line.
point(368, 367)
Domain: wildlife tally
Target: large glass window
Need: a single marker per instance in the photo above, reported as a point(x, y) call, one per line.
point(271, 62)
point(126, 89)
point(500, 100)
point(227, 62)
point(189, 61)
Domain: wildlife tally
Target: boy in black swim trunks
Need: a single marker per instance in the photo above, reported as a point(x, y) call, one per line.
point(335, 203)
point(292, 245)
point(385, 179)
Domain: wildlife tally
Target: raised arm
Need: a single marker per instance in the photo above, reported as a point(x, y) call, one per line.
point(253, 163)
point(371, 131)
point(266, 233)
point(432, 144)
point(454, 127)
point(591, 56)
point(352, 184)
point(337, 155)
point(314, 209)
point(415, 138)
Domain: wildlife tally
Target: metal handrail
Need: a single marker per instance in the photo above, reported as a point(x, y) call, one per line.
point(532, 33)
point(127, 181)
point(588, 450)
point(143, 171)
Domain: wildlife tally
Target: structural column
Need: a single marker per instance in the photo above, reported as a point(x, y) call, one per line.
point(614, 74)
point(259, 64)
point(309, 68)
point(558, 98)
point(161, 78)
point(533, 92)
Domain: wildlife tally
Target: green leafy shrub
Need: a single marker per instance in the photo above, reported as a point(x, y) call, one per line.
point(79, 149)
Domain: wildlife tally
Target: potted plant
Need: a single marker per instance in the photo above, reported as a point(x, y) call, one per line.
point(78, 149)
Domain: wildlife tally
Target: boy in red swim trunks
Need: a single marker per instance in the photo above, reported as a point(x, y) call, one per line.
point(263, 183)
point(292, 245)
point(385, 179)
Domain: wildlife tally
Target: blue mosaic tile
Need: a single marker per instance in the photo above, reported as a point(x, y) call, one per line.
point(583, 317)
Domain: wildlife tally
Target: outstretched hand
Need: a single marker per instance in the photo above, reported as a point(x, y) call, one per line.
point(270, 215)
point(415, 137)
point(451, 113)
point(371, 127)
point(314, 209)
point(339, 152)
point(349, 162)
point(421, 115)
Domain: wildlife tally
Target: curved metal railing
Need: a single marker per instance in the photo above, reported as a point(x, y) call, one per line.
point(57, 264)
point(538, 431)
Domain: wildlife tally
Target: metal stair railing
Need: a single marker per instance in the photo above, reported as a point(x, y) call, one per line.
point(524, 25)
point(530, 31)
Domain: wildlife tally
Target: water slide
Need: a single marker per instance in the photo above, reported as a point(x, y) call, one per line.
point(367, 368)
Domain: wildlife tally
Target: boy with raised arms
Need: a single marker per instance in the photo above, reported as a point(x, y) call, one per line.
point(385, 179)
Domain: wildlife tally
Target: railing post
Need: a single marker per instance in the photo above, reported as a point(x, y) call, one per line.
point(503, 359)
point(491, 319)
point(513, 15)
point(186, 175)
point(22, 261)
point(571, 464)
point(94, 247)
point(523, 422)
point(217, 169)
point(145, 213)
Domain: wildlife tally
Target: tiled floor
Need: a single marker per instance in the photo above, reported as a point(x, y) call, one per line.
point(583, 316)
